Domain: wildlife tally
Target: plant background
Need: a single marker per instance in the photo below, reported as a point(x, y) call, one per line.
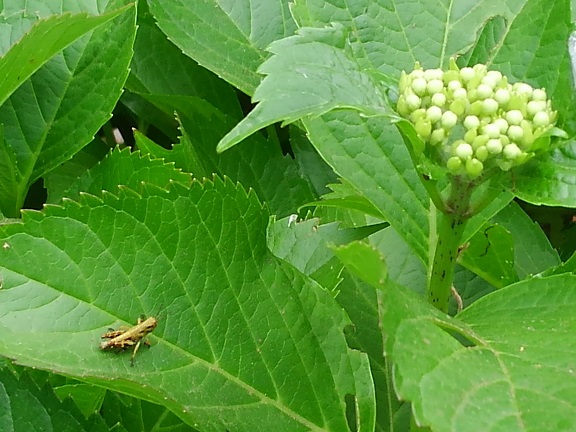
point(264, 322)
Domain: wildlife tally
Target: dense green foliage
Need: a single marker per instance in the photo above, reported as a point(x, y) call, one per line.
point(287, 267)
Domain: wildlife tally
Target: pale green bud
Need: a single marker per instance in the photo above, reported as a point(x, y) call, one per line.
point(474, 167)
point(458, 106)
point(470, 135)
point(418, 114)
point(454, 164)
point(424, 128)
point(481, 153)
point(480, 141)
point(438, 136)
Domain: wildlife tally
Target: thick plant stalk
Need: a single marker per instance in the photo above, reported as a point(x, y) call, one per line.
point(450, 227)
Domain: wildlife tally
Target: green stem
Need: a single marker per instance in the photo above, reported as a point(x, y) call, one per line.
point(450, 227)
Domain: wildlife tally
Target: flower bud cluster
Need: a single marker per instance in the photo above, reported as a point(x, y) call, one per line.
point(472, 118)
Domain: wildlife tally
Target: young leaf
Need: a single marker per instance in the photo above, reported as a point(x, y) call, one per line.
point(308, 75)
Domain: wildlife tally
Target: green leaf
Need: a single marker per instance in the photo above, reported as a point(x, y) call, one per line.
point(369, 154)
point(306, 246)
point(45, 39)
point(360, 259)
point(306, 77)
point(520, 369)
point(58, 181)
point(24, 406)
point(228, 39)
point(58, 110)
point(121, 168)
point(237, 327)
point(549, 180)
point(490, 254)
point(533, 253)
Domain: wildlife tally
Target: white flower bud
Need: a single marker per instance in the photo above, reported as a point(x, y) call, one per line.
point(419, 86)
point(467, 73)
point(502, 124)
point(438, 99)
point(433, 74)
point(535, 106)
point(523, 89)
point(494, 76)
point(434, 113)
point(484, 91)
point(489, 106)
point(541, 119)
point(515, 133)
point(449, 119)
point(514, 117)
point(434, 86)
point(417, 73)
point(512, 151)
point(454, 85)
point(491, 130)
point(494, 146)
point(502, 96)
point(539, 95)
point(413, 101)
point(460, 93)
point(471, 122)
point(464, 151)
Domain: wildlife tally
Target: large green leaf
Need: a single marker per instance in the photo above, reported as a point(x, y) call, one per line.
point(519, 369)
point(226, 37)
point(244, 341)
point(56, 112)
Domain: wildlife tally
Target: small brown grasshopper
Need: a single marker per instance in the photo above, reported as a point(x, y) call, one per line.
point(127, 337)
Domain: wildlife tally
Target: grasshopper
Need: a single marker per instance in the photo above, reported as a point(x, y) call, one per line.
point(127, 337)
